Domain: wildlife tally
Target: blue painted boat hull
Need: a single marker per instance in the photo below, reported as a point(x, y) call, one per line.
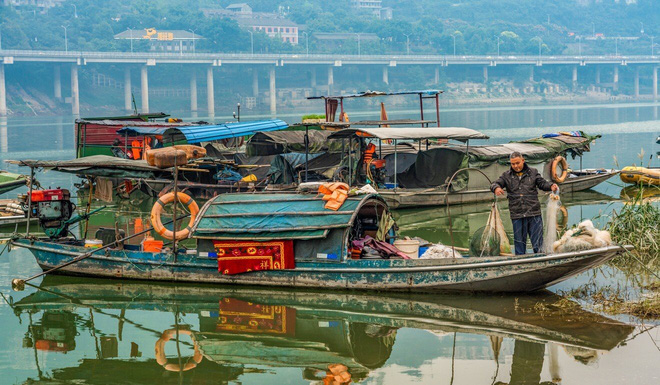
point(489, 274)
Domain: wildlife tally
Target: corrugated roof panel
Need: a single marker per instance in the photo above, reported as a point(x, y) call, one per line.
point(209, 133)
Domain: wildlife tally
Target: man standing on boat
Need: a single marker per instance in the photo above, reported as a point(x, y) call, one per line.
point(521, 183)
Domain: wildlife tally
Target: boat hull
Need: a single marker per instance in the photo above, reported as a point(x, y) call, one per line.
point(407, 198)
point(490, 274)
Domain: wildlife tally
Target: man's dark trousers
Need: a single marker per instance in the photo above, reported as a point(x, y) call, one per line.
point(532, 226)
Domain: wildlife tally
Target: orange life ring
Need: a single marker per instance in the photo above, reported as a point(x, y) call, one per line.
point(160, 351)
point(559, 161)
point(157, 210)
point(561, 223)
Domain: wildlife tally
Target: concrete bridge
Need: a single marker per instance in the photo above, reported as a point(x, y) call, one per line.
point(144, 60)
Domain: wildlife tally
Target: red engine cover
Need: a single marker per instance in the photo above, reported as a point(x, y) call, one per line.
point(50, 195)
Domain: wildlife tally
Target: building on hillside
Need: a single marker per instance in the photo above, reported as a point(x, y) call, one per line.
point(240, 9)
point(375, 6)
point(43, 5)
point(163, 40)
point(274, 27)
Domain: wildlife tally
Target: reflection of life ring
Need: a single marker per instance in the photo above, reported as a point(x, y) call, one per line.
point(160, 351)
point(561, 223)
point(157, 210)
point(559, 161)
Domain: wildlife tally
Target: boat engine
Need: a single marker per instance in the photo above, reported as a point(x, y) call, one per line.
point(53, 208)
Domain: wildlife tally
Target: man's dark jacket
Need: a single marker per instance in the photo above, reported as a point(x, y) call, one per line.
point(522, 191)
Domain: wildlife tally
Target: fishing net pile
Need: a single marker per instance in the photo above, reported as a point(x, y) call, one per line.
point(491, 239)
point(439, 251)
point(584, 237)
point(551, 223)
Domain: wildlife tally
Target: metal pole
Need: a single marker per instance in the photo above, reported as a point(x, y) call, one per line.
point(395, 164)
point(306, 151)
point(421, 108)
point(131, 38)
point(251, 42)
point(66, 42)
point(437, 110)
point(176, 203)
point(29, 213)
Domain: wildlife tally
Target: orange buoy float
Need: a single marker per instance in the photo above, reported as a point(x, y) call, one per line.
point(559, 161)
point(157, 210)
point(160, 351)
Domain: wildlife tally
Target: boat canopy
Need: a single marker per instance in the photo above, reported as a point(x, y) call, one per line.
point(141, 131)
point(96, 165)
point(212, 132)
point(368, 94)
point(536, 149)
point(275, 216)
point(280, 142)
point(383, 133)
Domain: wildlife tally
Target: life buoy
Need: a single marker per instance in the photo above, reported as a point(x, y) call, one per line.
point(561, 223)
point(160, 351)
point(559, 161)
point(157, 210)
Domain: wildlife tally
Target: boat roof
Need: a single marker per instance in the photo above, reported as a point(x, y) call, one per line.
point(369, 94)
point(136, 117)
point(212, 132)
point(383, 133)
point(274, 216)
point(99, 165)
point(145, 130)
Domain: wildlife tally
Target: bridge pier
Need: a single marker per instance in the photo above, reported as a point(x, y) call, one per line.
point(367, 75)
point(312, 77)
point(575, 78)
point(210, 93)
point(636, 82)
point(436, 79)
point(531, 73)
point(193, 91)
point(273, 92)
point(615, 78)
point(128, 96)
point(597, 75)
point(75, 94)
point(485, 72)
point(331, 79)
point(144, 85)
point(655, 83)
point(255, 82)
point(57, 82)
point(386, 77)
point(3, 93)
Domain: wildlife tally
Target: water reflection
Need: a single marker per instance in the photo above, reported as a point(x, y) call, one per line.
point(111, 332)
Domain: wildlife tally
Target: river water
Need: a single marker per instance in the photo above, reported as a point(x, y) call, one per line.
point(88, 331)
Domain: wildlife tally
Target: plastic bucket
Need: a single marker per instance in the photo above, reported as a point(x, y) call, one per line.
point(93, 243)
point(410, 247)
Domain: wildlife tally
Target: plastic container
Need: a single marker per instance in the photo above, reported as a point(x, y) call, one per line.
point(422, 250)
point(391, 185)
point(410, 247)
point(93, 243)
point(149, 244)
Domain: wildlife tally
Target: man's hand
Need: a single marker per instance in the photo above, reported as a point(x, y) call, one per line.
point(554, 187)
point(499, 191)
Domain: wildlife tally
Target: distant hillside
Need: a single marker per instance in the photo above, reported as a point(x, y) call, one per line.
point(431, 26)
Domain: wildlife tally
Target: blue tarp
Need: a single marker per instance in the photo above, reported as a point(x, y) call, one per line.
point(212, 132)
point(142, 130)
point(368, 94)
point(277, 216)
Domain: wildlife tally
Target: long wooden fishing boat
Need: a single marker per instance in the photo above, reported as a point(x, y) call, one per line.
point(291, 240)
point(459, 174)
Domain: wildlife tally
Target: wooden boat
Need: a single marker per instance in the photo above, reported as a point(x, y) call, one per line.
point(425, 178)
point(649, 176)
point(278, 231)
point(243, 328)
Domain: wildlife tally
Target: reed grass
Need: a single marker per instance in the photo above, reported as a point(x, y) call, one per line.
point(637, 223)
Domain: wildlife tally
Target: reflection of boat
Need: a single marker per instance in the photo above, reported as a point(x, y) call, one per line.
point(292, 240)
point(641, 175)
point(643, 193)
point(308, 329)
